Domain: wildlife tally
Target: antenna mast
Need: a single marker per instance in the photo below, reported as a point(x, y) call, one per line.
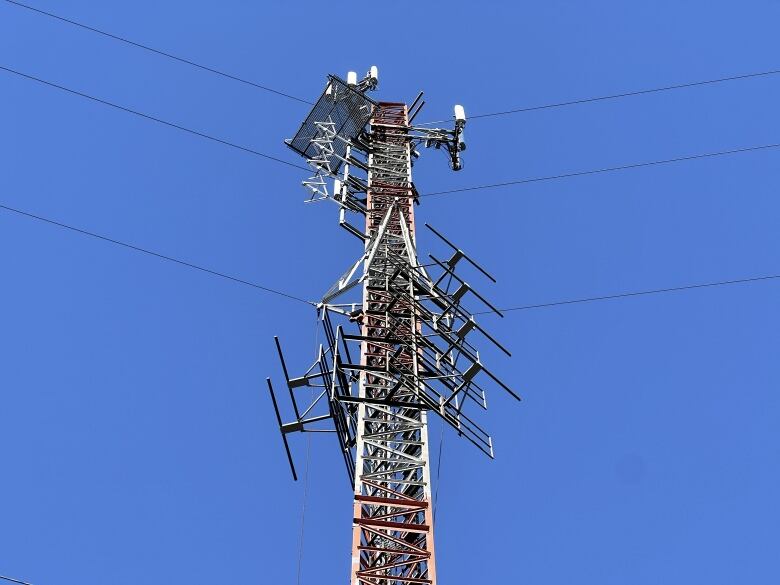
point(396, 333)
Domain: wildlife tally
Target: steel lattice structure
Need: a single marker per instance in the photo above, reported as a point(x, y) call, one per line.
point(403, 347)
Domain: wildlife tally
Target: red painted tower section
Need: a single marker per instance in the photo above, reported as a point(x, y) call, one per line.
point(393, 523)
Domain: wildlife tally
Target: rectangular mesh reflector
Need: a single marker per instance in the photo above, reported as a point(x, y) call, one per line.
point(341, 104)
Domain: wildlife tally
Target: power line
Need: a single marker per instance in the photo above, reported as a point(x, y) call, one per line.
point(155, 254)
point(152, 118)
point(157, 51)
point(639, 293)
point(605, 169)
point(615, 96)
point(301, 100)
point(14, 580)
point(472, 117)
point(293, 297)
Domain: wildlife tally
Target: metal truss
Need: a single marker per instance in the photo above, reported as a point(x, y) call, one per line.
point(399, 343)
point(321, 161)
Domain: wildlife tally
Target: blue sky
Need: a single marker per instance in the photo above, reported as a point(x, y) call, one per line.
point(138, 445)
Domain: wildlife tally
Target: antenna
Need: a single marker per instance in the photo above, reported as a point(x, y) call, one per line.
point(399, 337)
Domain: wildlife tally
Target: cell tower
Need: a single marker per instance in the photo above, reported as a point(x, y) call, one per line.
point(398, 333)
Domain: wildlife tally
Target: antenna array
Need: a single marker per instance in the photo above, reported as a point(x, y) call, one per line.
point(400, 336)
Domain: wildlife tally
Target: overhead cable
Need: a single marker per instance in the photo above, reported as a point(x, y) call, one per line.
point(157, 51)
point(14, 580)
point(639, 293)
point(613, 96)
point(622, 295)
point(153, 118)
point(605, 169)
point(155, 254)
point(754, 279)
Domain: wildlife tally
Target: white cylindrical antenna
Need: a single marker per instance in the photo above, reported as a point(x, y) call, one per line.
point(337, 188)
point(373, 73)
point(460, 115)
point(352, 77)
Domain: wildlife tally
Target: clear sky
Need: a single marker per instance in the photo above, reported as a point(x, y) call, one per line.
point(137, 444)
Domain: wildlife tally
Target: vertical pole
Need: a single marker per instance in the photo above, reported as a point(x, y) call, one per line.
point(393, 520)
